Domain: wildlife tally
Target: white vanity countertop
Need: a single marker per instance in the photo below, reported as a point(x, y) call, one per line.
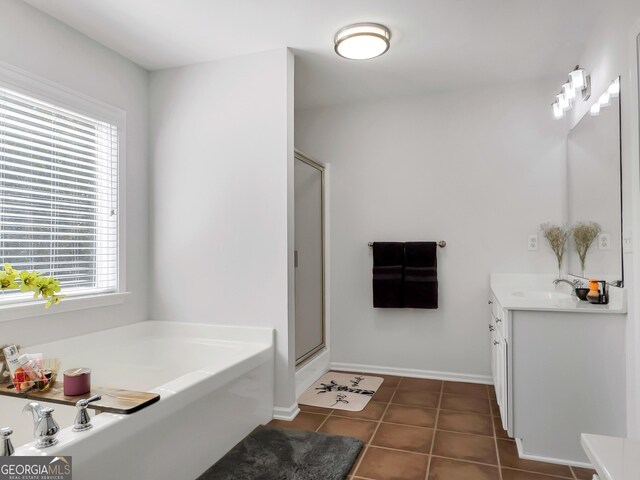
point(537, 292)
point(614, 458)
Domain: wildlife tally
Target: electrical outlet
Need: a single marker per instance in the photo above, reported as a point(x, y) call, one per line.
point(532, 243)
point(627, 243)
point(604, 241)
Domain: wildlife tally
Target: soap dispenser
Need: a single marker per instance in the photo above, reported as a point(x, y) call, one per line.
point(594, 291)
point(598, 292)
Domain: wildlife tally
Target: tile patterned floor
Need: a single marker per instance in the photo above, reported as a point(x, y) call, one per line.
point(416, 429)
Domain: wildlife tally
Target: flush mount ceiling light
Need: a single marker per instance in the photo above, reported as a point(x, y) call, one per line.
point(362, 41)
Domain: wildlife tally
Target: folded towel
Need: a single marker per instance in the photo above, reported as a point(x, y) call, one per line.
point(420, 254)
point(420, 275)
point(388, 258)
point(388, 254)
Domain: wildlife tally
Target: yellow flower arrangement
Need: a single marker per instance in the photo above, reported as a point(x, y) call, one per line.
point(41, 286)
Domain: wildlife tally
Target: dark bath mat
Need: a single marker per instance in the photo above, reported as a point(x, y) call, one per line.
point(270, 453)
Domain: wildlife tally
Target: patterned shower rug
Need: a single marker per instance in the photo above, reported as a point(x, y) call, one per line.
point(341, 391)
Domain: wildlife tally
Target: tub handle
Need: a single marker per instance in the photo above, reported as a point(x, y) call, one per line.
point(83, 420)
point(6, 448)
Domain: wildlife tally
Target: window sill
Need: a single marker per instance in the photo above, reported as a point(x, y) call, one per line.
point(18, 311)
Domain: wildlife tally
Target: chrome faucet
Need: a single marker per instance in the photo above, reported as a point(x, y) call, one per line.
point(574, 284)
point(83, 420)
point(45, 427)
point(6, 449)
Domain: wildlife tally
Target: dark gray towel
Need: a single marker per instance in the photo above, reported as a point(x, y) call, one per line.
point(420, 275)
point(388, 259)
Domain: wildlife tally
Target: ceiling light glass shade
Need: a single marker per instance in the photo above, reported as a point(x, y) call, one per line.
point(558, 113)
point(595, 109)
point(605, 99)
point(563, 102)
point(362, 41)
point(578, 79)
point(614, 88)
point(568, 91)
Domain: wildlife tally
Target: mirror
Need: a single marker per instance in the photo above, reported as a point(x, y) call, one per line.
point(594, 190)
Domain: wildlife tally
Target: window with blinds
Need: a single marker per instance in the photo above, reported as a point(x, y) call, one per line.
point(58, 195)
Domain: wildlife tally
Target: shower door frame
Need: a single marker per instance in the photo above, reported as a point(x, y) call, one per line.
point(311, 354)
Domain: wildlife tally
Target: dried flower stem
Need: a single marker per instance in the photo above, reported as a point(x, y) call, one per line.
point(584, 234)
point(557, 236)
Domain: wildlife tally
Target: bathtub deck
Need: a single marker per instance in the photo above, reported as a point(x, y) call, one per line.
point(113, 400)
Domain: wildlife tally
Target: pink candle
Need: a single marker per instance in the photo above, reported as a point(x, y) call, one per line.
point(77, 381)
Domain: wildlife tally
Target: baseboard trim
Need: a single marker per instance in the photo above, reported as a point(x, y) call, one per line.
point(539, 458)
point(286, 413)
point(412, 372)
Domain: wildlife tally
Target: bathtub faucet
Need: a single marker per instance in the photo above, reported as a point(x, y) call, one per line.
point(6, 449)
point(45, 427)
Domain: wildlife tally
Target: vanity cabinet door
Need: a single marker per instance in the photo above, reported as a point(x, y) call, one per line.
point(494, 356)
point(494, 308)
point(498, 377)
point(499, 351)
point(501, 347)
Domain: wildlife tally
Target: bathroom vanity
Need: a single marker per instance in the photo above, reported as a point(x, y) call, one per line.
point(558, 365)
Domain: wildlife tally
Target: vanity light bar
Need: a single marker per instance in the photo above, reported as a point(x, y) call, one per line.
point(605, 99)
point(579, 81)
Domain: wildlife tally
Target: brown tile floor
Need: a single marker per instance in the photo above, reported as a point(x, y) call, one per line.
point(417, 429)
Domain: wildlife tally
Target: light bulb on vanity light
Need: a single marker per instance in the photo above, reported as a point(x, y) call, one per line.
point(563, 102)
point(558, 113)
point(578, 79)
point(595, 109)
point(605, 99)
point(568, 91)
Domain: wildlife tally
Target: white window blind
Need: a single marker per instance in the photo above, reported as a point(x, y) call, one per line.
point(58, 195)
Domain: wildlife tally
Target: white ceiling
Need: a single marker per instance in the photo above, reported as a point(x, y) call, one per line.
point(436, 44)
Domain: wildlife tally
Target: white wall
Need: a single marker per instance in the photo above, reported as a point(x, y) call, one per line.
point(609, 53)
point(481, 169)
point(222, 146)
point(40, 45)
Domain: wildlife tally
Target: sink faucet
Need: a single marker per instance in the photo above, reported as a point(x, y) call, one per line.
point(45, 427)
point(574, 284)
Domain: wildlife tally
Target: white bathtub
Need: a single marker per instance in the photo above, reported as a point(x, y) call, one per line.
point(215, 383)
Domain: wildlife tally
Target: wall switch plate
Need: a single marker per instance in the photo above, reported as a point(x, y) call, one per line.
point(532, 243)
point(604, 241)
point(627, 243)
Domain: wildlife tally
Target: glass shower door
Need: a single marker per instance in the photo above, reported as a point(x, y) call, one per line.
point(309, 258)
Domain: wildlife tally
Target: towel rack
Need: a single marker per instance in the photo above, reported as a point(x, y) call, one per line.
point(441, 244)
